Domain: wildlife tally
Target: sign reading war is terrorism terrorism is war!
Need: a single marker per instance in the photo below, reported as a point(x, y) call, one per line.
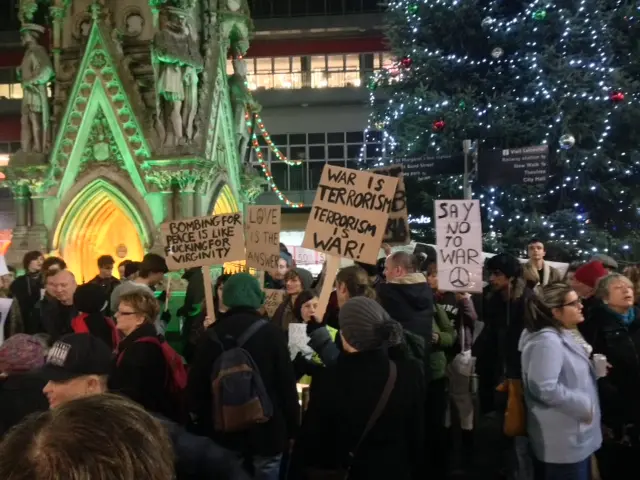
point(202, 241)
point(262, 235)
point(459, 245)
point(350, 213)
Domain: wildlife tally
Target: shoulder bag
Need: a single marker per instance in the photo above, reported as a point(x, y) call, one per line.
point(343, 473)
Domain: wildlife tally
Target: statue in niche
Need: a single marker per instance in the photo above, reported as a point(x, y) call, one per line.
point(176, 63)
point(35, 74)
point(191, 71)
point(243, 101)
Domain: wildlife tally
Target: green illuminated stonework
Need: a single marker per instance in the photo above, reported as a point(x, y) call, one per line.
point(135, 140)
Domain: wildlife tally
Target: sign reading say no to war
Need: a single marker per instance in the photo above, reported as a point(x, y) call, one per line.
point(262, 232)
point(197, 242)
point(459, 245)
point(350, 213)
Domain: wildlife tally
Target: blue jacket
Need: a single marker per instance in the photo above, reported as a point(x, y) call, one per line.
point(561, 395)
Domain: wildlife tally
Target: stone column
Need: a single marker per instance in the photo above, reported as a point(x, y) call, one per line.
point(168, 207)
point(57, 14)
point(187, 209)
point(21, 202)
point(37, 212)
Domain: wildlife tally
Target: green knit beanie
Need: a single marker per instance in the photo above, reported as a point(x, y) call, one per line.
point(242, 290)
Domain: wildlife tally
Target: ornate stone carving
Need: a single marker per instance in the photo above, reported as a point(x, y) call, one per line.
point(187, 180)
point(36, 72)
point(99, 67)
point(177, 62)
point(243, 104)
point(101, 146)
point(34, 180)
point(161, 179)
point(251, 184)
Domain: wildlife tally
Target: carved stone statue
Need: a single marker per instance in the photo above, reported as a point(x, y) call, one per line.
point(35, 73)
point(176, 63)
point(243, 102)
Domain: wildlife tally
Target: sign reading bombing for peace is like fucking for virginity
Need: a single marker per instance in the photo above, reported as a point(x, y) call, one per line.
point(201, 241)
point(459, 245)
point(349, 214)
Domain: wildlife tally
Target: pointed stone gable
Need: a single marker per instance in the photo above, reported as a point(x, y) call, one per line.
point(98, 95)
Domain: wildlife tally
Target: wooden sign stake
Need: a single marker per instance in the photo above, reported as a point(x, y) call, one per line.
point(208, 293)
point(331, 272)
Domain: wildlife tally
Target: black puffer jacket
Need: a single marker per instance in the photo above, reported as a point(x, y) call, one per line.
point(409, 300)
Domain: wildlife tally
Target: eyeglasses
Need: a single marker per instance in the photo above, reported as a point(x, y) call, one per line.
point(125, 314)
point(575, 303)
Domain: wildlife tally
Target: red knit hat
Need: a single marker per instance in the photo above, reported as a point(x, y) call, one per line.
point(21, 353)
point(590, 273)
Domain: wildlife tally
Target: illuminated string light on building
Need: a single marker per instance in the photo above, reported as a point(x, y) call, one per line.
point(586, 75)
point(265, 169)
point(267, 138)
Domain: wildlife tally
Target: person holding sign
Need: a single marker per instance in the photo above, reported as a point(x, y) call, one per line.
point(296, 280)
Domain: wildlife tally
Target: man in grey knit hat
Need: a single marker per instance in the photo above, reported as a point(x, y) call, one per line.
point(365, 325)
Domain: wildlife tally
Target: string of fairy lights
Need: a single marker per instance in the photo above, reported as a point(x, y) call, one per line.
point(594, 66)
point(254, 122)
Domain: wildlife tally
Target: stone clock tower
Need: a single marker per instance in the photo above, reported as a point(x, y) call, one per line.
point(128, 120)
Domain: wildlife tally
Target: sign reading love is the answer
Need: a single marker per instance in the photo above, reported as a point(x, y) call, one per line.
point(459, 245)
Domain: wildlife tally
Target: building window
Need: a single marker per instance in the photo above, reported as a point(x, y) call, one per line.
point(317, 71)
point(343, 149)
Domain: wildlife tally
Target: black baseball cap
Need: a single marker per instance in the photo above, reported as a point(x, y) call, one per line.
point(76, 355)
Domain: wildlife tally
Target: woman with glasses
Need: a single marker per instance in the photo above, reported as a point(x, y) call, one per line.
point(560, 387)
point(140, 369)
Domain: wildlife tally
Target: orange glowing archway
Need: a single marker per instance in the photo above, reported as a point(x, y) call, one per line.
point(99, 221)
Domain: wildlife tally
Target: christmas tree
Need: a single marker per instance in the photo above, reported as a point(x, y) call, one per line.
point(513, 74)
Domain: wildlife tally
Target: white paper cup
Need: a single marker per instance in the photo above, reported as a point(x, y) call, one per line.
point(600, 364)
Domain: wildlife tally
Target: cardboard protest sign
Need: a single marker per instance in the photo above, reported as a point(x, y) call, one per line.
point(398, 232)
point(196, 242)
point(262, 235)
point(350, 213)
point(4, 270)
point(273, 299)
point(459, 245)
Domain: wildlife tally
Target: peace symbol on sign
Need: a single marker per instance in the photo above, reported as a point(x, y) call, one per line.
point(459, 277)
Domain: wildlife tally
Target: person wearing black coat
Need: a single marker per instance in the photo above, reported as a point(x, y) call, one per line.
point(344, 396)
point(27, 288)
point(408, 298)
point(199, 458)
point(615, 324)
point(261, 446)
point(139, 369)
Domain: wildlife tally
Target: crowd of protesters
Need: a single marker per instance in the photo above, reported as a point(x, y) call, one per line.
point(397, 372)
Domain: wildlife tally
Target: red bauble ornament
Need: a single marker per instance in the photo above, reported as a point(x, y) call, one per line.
point(406, 62)
point(616, 97)
point(439, 125)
